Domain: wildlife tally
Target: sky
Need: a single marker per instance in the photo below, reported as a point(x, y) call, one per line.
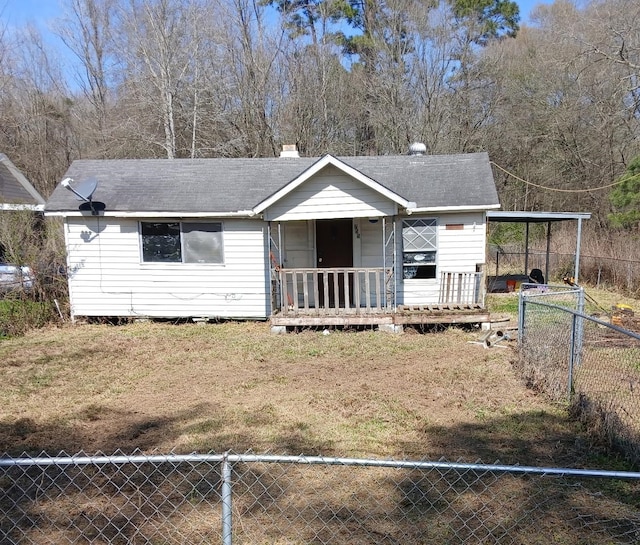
point(18, 12)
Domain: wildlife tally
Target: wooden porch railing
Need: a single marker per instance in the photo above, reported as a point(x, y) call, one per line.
point(462, 288)
point(356, 290)
point(352, 290)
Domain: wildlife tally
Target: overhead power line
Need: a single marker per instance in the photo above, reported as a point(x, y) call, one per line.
point(556, 189)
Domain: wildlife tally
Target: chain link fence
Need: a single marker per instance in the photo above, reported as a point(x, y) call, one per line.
point(602, 272)
point(593, 363)
point(266, 499)
point(607, 272)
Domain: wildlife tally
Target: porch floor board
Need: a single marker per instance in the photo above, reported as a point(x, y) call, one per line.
point(405, 315)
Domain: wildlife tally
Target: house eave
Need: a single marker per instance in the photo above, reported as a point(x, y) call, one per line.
point(17, 207)
point(446, 209)
point(153, 214)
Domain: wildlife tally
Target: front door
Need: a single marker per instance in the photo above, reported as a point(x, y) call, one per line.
point(334, 248)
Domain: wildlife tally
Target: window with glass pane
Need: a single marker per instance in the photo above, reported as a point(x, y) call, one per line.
point(202, 242)
point(419, 248)
point(188, 242)
point(161, 242)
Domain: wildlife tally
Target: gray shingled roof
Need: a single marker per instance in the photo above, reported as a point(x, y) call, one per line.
point(14, 187)
point(231, 185)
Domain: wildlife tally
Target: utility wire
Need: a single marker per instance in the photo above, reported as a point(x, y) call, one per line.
point(561, 190)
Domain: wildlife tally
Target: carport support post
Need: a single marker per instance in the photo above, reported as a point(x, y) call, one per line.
point(546, 262)
point(526, 249)
point(521, 310)
point(227, 528)
point(576, 268)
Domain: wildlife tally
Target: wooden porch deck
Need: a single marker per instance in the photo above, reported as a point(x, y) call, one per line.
point(432, 315)
point(353, 297)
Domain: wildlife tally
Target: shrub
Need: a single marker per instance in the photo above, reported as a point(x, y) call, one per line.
point(27, 240)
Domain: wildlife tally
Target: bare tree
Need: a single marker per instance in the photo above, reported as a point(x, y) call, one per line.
point(87, 31)
point(253, 54)
point(35, 111)
point(563, 119)
point(159, 47)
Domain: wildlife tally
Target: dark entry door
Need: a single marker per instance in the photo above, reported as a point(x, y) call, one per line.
point(334, 248)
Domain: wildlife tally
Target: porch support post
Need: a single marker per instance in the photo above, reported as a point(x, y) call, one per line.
point(274, 264)
point(269, 247)
point(384, 242)
point(389, 239)
point(272, 280)
point(394, 269)
point(280, 244)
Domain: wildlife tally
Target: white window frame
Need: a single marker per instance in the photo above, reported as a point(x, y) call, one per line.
point(183, 242)
point(419, 248)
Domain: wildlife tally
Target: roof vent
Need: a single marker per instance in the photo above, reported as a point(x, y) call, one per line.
point(417, 148)
point(289, 150)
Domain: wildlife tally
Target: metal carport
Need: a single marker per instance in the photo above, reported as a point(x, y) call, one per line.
point(543, 217)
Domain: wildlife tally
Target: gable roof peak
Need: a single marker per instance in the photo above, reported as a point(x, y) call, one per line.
point(316, 167)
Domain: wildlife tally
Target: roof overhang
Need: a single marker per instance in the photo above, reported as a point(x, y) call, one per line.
point(344, 167)
point(445, 209)
point(151, 214)
point(32, 207)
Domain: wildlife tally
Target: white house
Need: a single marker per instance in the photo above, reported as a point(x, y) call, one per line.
point(302, 241)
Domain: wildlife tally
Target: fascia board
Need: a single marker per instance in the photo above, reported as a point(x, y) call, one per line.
point(31, 207)
point(445, 209)
point(158, 214)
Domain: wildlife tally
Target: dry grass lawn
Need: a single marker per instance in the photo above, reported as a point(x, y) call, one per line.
point(234, 386)
point(183, 388)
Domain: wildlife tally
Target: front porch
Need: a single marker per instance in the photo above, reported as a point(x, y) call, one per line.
point(359, 296)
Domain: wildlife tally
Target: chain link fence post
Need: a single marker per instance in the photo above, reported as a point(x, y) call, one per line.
point(227, 520)
point(572, 355)
point(521, 314)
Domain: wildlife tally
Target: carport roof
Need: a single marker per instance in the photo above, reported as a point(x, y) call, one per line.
point(535, 217)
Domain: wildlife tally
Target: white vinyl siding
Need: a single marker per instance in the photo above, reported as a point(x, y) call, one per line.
point(299, 244)
point(371, 242)
point(330, 194)
point(460, 249)
point(108, 278)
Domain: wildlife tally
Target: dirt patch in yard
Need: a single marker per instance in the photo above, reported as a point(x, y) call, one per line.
point(184, 388)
